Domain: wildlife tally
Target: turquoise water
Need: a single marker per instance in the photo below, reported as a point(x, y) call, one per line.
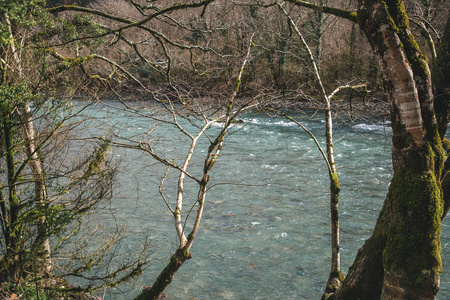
point(265, 230)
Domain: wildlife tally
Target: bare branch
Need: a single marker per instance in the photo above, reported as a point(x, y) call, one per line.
point(131, 24)
point(161, 192)
point(349, 15)
point(214, 150)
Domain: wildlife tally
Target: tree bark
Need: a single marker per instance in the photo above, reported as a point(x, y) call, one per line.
point(13, 228)
point(335, 277)
point(402, 258)
point(37, 170)
point(166, 276)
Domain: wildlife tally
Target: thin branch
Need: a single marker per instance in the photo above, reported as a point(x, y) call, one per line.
point(215, 149)
point(314, 138)
point(349, 15)
point(428, 37)
point(131, 24)
point(346, 87)
point(150, 151)
point(428, 24)
point(161, 192)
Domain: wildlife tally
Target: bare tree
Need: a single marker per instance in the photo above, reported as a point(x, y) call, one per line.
point(405, 239)
point(192, 115)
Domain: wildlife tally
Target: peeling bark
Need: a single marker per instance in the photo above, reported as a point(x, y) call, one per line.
point(402, 258)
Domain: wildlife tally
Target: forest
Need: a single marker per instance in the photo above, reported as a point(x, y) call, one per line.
point(127, 127)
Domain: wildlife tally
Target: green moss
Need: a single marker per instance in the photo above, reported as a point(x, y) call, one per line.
point(334, 282)
point(166, 276)
point(349, 15)
point(186, 253)
point(437, 146)
point(339, 275)
point(396, 9)
point(416, 204)
point(375, 39)
point(174, 259)
point(237, 85)
point(190, 236)
point(398, 19)
point(446, 191)
point(445, 178)
point(334, 181)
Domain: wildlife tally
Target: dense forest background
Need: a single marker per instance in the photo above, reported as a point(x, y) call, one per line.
point(279, 63)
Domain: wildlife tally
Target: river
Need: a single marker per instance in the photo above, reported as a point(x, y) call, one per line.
point(265, 231)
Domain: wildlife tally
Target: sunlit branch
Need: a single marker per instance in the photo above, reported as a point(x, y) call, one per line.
point(161, 192)
point(346, 87)
point(215, 149)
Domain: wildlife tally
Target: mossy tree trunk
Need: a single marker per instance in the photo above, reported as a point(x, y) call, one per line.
point(336, 277)
point(42, 240)
point(402, 258)
point(441, 85)
point(166, 276)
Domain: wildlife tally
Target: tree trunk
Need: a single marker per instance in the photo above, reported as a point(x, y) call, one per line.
point(166, 276)
point(37, 170)
point(336, 277)
point(13, 228)
point(34, 162)
point(402, 258)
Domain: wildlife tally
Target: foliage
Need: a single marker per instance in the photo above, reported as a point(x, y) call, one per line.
point(14, 96)
point(46, 194)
